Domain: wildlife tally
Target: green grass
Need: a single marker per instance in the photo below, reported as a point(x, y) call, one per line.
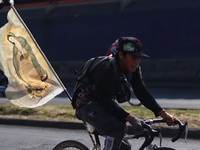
point(66, 113)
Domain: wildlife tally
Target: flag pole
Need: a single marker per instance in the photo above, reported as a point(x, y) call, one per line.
point(12, 6)
point(11, 2)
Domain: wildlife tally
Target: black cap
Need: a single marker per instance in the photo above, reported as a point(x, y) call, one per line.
point(131, 45)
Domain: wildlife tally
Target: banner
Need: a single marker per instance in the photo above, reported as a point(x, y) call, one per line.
point(32, 82)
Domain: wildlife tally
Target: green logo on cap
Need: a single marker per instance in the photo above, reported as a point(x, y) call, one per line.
point(129, 47)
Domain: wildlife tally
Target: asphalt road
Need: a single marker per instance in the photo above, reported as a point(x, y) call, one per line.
point(176, 97)
point(167, 97)
point(37, 138)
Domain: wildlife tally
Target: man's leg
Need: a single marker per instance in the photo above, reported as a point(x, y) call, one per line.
point(113, 139)
point(106, 124)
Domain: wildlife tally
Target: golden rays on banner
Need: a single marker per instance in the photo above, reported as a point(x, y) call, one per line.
point(32, 82)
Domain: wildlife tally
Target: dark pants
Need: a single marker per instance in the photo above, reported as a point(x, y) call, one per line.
point(106, 124)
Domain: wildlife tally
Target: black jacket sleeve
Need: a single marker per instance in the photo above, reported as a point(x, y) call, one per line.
point(143, 94)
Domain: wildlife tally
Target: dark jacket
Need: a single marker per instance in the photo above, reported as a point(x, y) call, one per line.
point(105, 83)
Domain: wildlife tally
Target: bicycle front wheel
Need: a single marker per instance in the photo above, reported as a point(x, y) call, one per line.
point(165, 148)
point(70, 145)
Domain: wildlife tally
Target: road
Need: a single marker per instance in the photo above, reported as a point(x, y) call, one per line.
point(167, 97)
point(36, 138)
point(179, 97)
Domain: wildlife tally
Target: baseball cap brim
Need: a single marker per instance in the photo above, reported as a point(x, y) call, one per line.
point(140, 54)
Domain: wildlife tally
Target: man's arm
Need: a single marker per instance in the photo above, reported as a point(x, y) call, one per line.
point(143, 94)
point(147, 99)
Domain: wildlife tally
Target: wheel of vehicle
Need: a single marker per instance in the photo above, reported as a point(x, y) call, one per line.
point(165, 148)
point(69, 145)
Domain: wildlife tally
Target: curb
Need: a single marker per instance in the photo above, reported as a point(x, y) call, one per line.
point(166, 131)
point(43, 123)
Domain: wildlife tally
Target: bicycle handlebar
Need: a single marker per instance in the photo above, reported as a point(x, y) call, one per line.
point(182, 128)
point(146, 124)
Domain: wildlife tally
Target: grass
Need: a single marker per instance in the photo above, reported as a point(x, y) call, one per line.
point(66, 113)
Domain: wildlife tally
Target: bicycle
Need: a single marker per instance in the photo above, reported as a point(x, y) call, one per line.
point(149, 133)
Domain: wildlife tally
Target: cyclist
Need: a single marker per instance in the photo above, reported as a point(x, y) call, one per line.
point(102, 83)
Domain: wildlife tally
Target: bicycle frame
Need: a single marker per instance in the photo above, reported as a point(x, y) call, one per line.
point(149, 133)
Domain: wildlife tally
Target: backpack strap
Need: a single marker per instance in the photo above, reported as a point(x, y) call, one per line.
point(88, 67)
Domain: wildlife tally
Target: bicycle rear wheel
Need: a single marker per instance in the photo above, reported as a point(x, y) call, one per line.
point(70, 145)
point(165, 148)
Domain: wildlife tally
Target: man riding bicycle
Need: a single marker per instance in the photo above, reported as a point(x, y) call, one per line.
point(103, 83)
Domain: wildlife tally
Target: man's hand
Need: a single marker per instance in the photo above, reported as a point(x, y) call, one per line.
point(136, 124)
point(169, 118)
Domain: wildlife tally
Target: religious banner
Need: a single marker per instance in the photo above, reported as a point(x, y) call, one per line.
point(32, 80)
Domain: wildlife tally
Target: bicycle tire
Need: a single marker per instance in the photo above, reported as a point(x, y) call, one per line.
point(69, 145)
point(165, 148)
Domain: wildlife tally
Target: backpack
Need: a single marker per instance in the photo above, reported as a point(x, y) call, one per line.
point(81, 77)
